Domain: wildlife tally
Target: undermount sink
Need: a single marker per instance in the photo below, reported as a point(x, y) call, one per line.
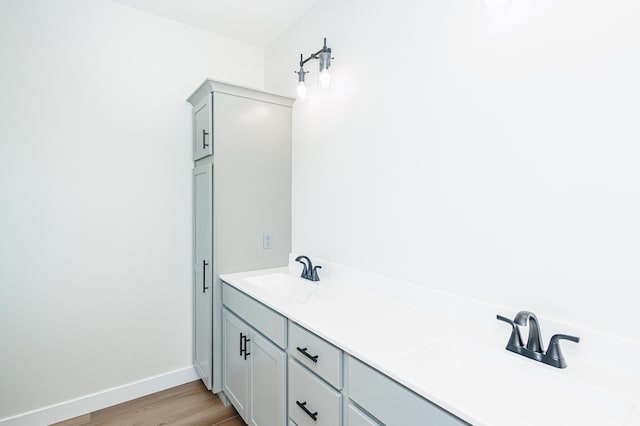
point(522, 394)
point(286, 286)
point(274, 281)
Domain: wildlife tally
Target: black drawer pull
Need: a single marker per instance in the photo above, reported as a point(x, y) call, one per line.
point(241, 340)
point(304, 352)
point(302, 405)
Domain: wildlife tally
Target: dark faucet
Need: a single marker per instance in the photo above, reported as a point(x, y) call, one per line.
point(309, 272)
point(534, 342)
point(534, 348)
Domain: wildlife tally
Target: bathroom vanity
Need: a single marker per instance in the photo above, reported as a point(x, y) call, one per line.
point(354, 350)
point(261, 345)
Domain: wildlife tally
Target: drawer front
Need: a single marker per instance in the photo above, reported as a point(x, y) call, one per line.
point(265, 320)
point(321, 357)
point(390, 402)
point(356, 417)
point(316, 396)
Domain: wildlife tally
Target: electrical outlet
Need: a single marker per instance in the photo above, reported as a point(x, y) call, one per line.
point(267, 240)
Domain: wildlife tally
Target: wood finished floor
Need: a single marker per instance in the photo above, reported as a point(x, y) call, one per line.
point(189, 404)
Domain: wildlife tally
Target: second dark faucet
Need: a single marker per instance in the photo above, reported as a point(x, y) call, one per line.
point(309, 272)
point(534, 348)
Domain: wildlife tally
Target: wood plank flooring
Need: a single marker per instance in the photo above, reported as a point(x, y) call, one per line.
point(189, 404)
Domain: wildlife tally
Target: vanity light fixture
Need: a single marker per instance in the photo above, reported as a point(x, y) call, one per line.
point(324, 78)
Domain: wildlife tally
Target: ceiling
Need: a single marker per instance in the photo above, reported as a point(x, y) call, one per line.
point(257, 22)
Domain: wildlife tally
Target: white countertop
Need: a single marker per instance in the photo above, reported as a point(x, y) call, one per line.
point(450, 349)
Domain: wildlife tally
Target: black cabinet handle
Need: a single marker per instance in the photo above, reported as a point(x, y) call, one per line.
point(204, 139)
point(304, 352)
point(246, 354)
point(243, 345)
point(302, 405)
point(204, 274)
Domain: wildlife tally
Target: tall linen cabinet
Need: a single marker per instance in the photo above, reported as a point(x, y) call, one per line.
point(241, 201)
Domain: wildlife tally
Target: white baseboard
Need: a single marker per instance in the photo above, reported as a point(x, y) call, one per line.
point(103, 399)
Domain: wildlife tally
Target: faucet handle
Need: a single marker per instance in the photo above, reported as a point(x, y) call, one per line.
point(554, 354)
point(515, 341)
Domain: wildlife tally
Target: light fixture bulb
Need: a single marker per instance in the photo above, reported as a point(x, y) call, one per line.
point(324, 58)
point(324, 78)
point(302, 91)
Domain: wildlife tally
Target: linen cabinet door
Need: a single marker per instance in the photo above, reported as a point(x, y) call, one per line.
point(202, 272)
point(268, 378)
point(235, 363)
point(203, 129)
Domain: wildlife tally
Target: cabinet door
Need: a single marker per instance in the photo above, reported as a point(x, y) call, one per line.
point(202, 129)
point(268, 377)
point(235, 369)
point(202, 271)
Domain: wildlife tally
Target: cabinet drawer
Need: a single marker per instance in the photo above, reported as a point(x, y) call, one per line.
point(318, 398)
point(390, 402)
point(356, 417)
point(321, 357)
point(266, 321)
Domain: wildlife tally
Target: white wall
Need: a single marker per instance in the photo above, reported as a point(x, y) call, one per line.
point(95, 193)
point(492, 155)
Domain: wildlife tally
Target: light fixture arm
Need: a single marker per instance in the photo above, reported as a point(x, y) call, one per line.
point(316, 55)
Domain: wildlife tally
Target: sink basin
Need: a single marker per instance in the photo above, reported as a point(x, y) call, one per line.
point(279, 282)
point(498, 387)
point(285, 287)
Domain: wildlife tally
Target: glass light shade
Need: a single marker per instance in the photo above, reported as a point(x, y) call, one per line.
point(302, 91)
point(324, 78)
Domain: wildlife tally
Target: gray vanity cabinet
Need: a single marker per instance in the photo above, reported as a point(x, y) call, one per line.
point(317, 382)
point(254, 368)
point(241, 201)
point(254, 372)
